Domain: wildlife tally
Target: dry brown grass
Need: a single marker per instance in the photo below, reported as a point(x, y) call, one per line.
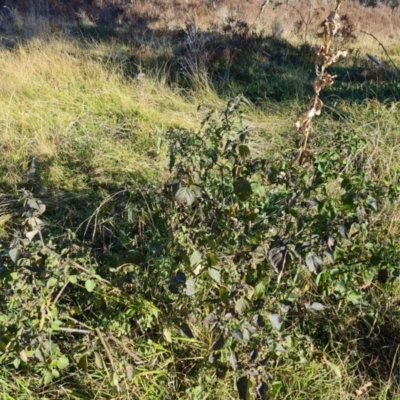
point(292, 17)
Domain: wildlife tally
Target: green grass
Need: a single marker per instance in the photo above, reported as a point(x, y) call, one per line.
point(93, 128)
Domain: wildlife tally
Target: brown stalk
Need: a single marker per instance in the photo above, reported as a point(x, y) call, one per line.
point(323, 60)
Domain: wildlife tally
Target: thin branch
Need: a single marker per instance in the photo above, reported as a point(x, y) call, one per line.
point(135, 357)
point(384, 49)
point(106, 348)
point(74, 330)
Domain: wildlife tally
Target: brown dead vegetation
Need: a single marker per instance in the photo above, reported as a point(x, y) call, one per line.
point(284, 19)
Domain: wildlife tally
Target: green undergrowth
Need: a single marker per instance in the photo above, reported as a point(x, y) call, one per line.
point(157, 240)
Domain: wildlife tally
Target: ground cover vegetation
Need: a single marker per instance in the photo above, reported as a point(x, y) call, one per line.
point(170, 229)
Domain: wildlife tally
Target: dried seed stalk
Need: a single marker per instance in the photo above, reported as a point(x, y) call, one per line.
point(323, 60)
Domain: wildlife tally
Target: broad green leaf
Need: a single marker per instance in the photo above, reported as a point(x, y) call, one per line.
point(237, 335)
point(98, 360)
point(242, 305)
point(90, 285)
point(280, 258)
point(62, 362)
point(23, 356)
point(276, 388)
point(215, 274)
point(186, 331)
point(30, 235)
point(218, 343)
point(314, 262)
point(262, 391)
point(187, 194)
point(52, 282)
point(39, 355)
point(195, 258)
point(243, 386)
point(55, 373)
point(190, 289)
point(242, 188)
point(343, 230)
point(212, 260)
point(14, 254)
point(83, 362)
point(167, 335)
point(244, 151)
point(224, 295)
point(276, 321)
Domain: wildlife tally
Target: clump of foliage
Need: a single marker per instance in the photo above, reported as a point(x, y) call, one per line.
point(237, 270)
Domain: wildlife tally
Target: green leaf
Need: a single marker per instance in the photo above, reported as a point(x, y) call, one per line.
point(244, 151)
point(280, 258)
point(98, 360)
point(233, 360)
point(262, 391)
point(314, 262)
point(276, 388)
point(187, 194)
point(195, 258)
point(215, 274)
point(30, 235)
point(90, 285)
point(218, 343)
point(343, 230)
point(372, 203)
point(130, 371)
point(55, 373)
point(243, 386)
point(167, 335)
point(242, 188)
point(212, 260)
point(23, 356)
point(276, 321)
point(242, 305)
point(83, 362)
point(186, 331)
point(190, 289)
point(52, 282)
point(62, 362)
point(14, 254)
point(224, 295)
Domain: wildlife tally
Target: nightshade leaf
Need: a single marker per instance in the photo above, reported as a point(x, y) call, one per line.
point(187, 194)
point(343, 230)
point(90, 285)
point(242, 188)
point(242, 305)
point(317, 306)
point(279, 258)
point(262, 391)
point(276, 321)
point(237, 335)
point(209, 319)
point(233, 360)
point(185, 329)
point(314, 262)
point(190, 289)
point(218, 343)
point(243, 387)
point(215, 274)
